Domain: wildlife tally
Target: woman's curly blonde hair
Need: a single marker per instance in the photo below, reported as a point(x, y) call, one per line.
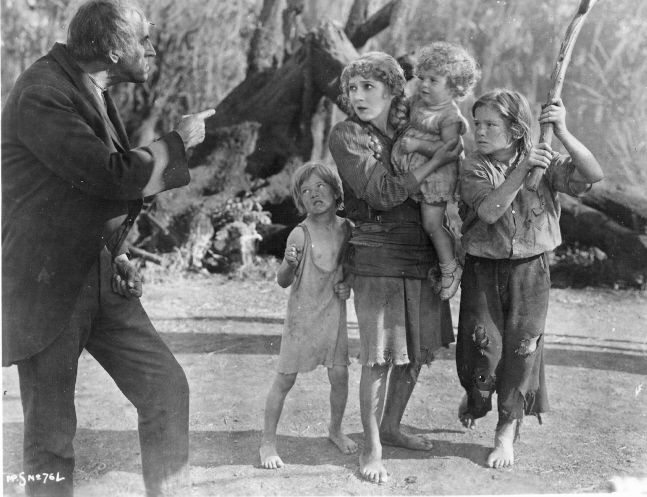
point(451, 60)
point(381, 67)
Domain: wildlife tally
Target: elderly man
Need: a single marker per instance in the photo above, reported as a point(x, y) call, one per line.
point(71, 188)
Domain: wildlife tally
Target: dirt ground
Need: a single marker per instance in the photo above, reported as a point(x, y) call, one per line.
point(226, 334)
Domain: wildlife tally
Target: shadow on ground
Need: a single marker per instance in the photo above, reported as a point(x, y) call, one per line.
point(101, 451)
point(241, 343)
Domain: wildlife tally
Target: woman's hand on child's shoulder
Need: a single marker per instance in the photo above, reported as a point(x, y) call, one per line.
point(554, 113)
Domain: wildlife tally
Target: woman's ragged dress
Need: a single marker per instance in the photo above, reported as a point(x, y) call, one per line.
point(401, 321)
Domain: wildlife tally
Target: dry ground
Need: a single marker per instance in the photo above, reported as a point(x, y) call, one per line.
point(226, 334)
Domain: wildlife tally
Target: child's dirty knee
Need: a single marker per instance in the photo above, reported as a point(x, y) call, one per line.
point(527, 346)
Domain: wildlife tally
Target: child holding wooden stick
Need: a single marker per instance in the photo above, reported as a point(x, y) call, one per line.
point(507, 232)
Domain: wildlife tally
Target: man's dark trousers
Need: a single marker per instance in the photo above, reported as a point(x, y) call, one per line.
point(119, 335)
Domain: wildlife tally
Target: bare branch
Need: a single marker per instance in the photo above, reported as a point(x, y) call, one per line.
point(357, 16)
point(376, 23)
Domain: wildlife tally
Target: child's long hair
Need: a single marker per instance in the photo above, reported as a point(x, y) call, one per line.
point(380, 67)
point(453, 61)
point(327, 174)
point(515, 111)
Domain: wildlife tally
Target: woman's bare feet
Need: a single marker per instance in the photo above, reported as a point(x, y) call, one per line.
point(406, 440)
point(269, 457)
point(343, 442)
point(464, 416)
point(503, 454)
point(371, 468)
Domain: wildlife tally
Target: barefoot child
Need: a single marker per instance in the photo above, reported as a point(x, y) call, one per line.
point(507, 233)
point(446, 73)
point(315, 327)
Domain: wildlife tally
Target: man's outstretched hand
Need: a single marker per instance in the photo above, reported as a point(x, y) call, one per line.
point(191, 128)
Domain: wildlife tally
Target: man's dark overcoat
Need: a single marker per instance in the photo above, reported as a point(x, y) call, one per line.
point(70, 185)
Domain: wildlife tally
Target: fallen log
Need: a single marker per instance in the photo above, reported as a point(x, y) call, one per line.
point(626, 249)
point(625, 204)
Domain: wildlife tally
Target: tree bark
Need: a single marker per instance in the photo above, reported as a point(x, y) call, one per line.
point(626, 248)
point(357, 16)
point(376, 23)
point(283, 101)
point(267, 44)
point(627, 205)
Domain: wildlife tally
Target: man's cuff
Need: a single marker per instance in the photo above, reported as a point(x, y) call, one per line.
point(170, 168)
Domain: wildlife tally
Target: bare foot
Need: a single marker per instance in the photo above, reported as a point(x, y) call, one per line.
point(406, 440)
point(343, 443)
point(372, 469)
point(503, 454)
point(465, 417)
point(269, 457)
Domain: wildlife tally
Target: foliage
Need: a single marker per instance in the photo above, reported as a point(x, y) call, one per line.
point(28, 30)
point(235, 241)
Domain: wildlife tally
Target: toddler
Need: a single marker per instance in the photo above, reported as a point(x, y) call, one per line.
point(446, 72)
point(507, 233)
point(315, 327)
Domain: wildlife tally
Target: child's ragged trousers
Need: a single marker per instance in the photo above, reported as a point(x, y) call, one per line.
point(501, 335)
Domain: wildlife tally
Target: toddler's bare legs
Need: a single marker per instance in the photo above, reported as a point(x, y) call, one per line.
point(372, 388)
point(273, 408)
point(433, 216)
point(503, 454)
point(338, 376)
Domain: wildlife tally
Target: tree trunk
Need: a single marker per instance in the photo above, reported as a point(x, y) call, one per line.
point(266, 47)
point(626, 248)
point(283, 101)
point(627, 205)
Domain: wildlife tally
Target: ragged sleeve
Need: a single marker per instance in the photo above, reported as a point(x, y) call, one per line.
point(560, 176)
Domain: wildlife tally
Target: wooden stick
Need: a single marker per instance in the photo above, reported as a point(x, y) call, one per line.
point(557, 81)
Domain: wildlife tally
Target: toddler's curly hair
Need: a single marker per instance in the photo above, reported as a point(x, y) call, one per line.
point(381, 67)
point(452, 60)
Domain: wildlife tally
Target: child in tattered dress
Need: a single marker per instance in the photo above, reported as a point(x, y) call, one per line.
point(445, 73)
point(315, 327)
